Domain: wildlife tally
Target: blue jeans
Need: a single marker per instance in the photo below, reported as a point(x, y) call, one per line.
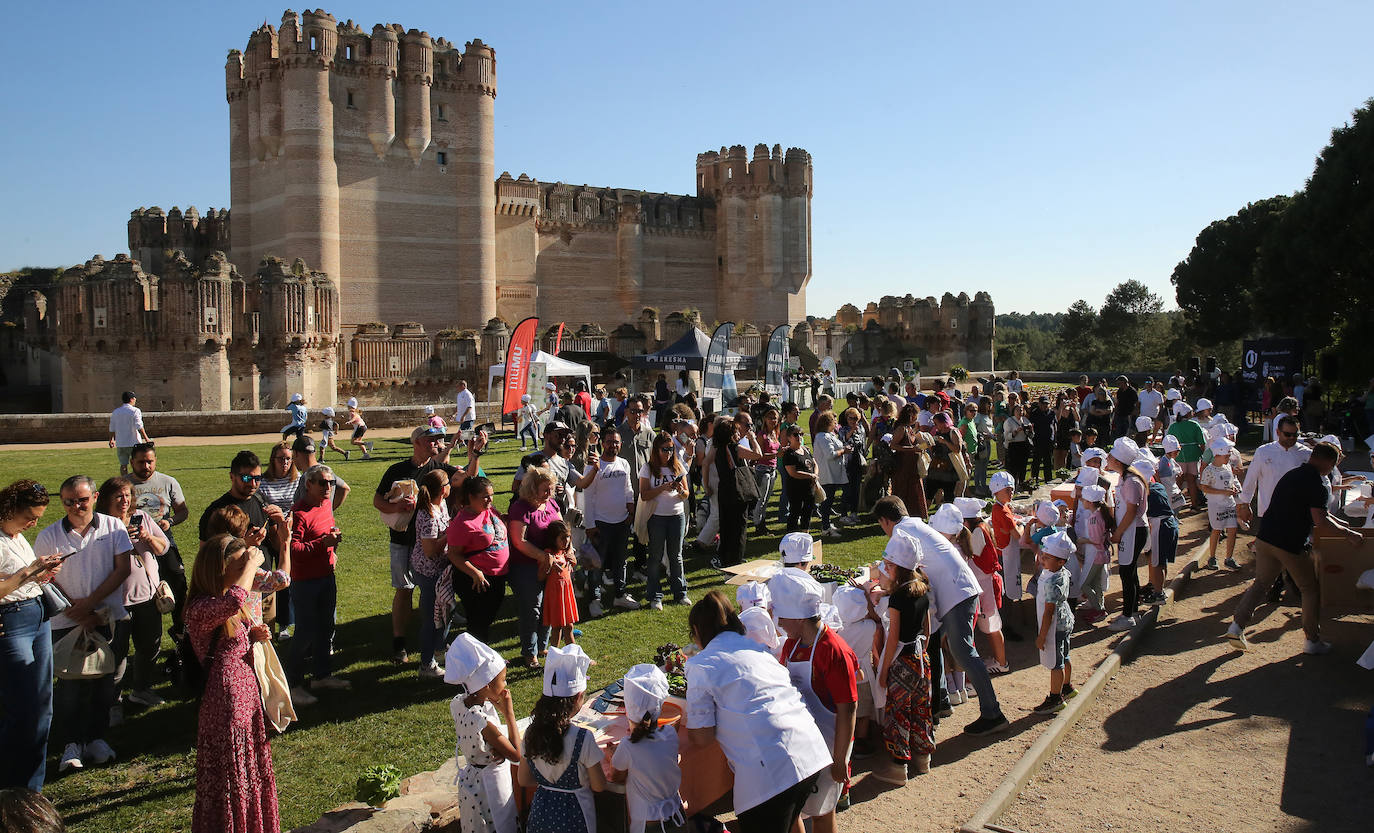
point(313, 601)
point(782, 500)
point(81, 708)
point(529, 603)
point(665, 538)
point(429, 634)
point(26, 691)
point(956, 629)
point(612, 544)
point(764, 479)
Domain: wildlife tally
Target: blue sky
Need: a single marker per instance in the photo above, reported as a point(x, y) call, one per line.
point(1041, 152)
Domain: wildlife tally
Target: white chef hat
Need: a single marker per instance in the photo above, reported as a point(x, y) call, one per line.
point(1124, 450)
point(565, 671)
point(759, 626)
point(969, 507)
point(646, 687)
point(429, 410)
point(1094, 453)
point(1221, 445)
point(830, 616)
point(296, 397)
point(524, 398)
point(352, 402)
point(753, 594)
point(1047, 513)
point(904, 550)
point(796, 595)
point(1231, 430)
point(1172, 394)
point(796, 547)
point(1144, 423)
point(851, 603)
point(1216, 429)
point(947, 519)
point(1331, 438)
point(1219, 419)
point(327, 411)
point(1094, 493)
point(1087, 476)
point(1059, 545)
point(1001, 480)
point(1203, 404)
point(1182, 408)
point(1145, 467)
point(1171, 443)
point(471, 663)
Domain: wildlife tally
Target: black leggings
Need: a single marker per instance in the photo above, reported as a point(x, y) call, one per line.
point(1042, 460)
point(801, 505)
point(733, 529)
point(480, 608)
point(779, 813)
point(1130, 578)
point(1017, 455)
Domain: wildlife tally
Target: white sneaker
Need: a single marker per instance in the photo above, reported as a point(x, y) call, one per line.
point(1236, 637)
point(595, 610)
point(144, 697)
point(1318, 647)
point(71, 758)
point(301, 697)
point(625, 602)
point(1122, 623)
point(832, 532)
point(285, 634)
point(956, 698)
point(330, 684)
point(656, 604)
point(98, 752)
point(431, 671)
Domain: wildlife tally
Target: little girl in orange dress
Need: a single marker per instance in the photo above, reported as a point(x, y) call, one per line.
point(560, 602)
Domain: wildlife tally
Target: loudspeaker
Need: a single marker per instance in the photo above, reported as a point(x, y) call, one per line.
point(1211, 364)
point(1194, 366)
point(1330, 367)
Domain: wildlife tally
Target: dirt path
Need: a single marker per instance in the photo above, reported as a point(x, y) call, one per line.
point(1193, 736)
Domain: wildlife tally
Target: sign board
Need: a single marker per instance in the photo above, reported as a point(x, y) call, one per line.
point(539, 375)
point(211, 317)
point(713, 377)
point(98, 318)
point(1264, 357)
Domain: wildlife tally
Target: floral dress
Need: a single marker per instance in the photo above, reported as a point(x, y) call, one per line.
point(236, 790)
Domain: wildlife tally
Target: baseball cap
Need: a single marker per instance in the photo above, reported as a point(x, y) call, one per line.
point(426, 431)
point(303, 445)
point(556, 425)
point(128, 396)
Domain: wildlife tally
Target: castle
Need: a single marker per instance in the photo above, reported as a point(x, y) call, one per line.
point(369, 156)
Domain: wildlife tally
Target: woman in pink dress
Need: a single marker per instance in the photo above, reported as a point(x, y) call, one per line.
point(236, 791)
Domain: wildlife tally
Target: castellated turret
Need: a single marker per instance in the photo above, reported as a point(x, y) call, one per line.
point(371, 157)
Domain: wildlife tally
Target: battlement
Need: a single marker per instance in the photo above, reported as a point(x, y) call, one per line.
point(730, 170)
point(153, 233)
point(560, 203)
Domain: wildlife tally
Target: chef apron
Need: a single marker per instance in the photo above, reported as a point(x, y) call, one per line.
point(1126, 550)
point(1011, 570)
point(989, 614)
point(563, 805)
point(869, 674)
point(488, 782)
point(827, 792)
point(1047, 652)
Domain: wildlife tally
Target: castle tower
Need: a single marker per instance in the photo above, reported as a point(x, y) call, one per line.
point(474, 159)
point(195, 326)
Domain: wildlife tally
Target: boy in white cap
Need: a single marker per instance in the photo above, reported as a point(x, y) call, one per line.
point(328, 428)
point(796, 549)
point(560, 758)
point(296, 427)
point(486, 794)
point(1056, 620)
point(1221, 486)
point(1007, 531)
point(863, 632)
point(825, 671)
point(647, 760)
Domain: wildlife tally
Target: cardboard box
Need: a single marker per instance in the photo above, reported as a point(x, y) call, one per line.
point(1339, 564)
point(762, 569)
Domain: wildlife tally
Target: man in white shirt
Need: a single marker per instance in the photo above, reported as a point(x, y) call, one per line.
point(126, 429)
point(954, 594)
point(608, 499)
point(96, 550)
point(1271, 461)
point(464, 407)
point(1150, 400)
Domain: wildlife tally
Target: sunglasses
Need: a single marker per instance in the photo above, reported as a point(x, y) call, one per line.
point(76, 501)
point(1288, 433)
point(326, 483)
point(635, 411)
point(250, 478)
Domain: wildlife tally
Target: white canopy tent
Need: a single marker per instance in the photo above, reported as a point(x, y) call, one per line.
point(554, 367)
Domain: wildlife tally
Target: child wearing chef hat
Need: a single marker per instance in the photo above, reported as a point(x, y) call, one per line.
point(948, 520)
point(1167, 470)
point(1091, 520)
point(328, 428)
point(486, 795)
point(1056, 621)
point(796, 549)
point(1163, 523)
point(908, 729)
point(864, 632)
point(1008, 531)
point(1192, 440)
point(561, 760)
point(1144, 429)
point(1221, 486)
point(825, 671)
point(755, 605)
point(987, 565)
point(648, 759)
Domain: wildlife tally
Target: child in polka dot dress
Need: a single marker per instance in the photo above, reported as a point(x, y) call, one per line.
point(486, 790)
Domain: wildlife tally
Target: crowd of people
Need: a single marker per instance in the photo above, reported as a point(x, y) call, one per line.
point(608, 502)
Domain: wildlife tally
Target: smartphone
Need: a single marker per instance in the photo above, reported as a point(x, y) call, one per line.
point(135, 523)
point(67, 555)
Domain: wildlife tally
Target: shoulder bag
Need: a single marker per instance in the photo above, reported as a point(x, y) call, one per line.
point(82, 655)
point(746, 488)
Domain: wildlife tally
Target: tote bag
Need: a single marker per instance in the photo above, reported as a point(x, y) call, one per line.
point(82, 655)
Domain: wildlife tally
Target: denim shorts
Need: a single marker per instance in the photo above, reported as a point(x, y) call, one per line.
point(1061, 647)
point(401, 578)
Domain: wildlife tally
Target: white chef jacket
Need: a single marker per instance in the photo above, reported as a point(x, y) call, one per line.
point(951, 579)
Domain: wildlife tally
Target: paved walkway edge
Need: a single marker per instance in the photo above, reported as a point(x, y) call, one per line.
point(1044, 746)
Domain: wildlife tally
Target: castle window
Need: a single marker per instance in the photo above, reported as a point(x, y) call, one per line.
point(348, 52)
point(729, 173)
point(441, 113)
point(350, 98)
point(442, 156)
point(314, 43)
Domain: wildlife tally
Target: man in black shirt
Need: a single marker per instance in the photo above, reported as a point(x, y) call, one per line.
point(1126, 401)
point(245, 473)
point(1042, 445)
point(1296, 506)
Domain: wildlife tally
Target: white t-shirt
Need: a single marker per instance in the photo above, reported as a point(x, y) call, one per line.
point(651, 789)
point(1219, 477)
point(159, 496)
point(605, 499)
point(669, 502)
point(125, 423)
point(1014, 386)
point(94, 561)
point(465, 406)
point(951, 579)
point(591, 756)
point(16, 555)
point(1150, 400)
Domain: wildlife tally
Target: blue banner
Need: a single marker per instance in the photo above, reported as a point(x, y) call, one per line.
point(713, 379)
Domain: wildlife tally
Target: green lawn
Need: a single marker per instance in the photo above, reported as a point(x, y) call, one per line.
point(390, 717)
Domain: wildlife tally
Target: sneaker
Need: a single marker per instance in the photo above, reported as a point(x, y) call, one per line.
point(891, 772)
point(842, 803)
point(594, 609)
point(684, 601)
point(367, 448)
point(1231, 564)
point(987, 725)
point(1316, 648)
point(346, 456)
point(1123, 623)
point(655, 604)
point(995, 667)
point(285, 634)
point(625, 602)
point(400, 657)
point(431, 671)
point(1068, 692)
point(1236, 637)
point(832, 532)
point(970, 692)
point(716, 563)
point(301, 697)
point(330, 684)
point(1156, 599)
point(71, 758)
point(1211, 564)
point(956, 698)
point(145, 698)
point(1050, 705)
point(98, 752)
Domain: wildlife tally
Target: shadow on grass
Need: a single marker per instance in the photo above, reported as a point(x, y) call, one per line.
point(99, 802)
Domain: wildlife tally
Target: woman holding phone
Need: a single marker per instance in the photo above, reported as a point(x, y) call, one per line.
point(663, 484)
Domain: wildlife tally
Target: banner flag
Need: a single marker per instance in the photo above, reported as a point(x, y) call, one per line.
point(777, 360)
point(713, 378)
point(518, 354)
point(558, 342)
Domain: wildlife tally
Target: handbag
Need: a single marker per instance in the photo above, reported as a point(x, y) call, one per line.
point(163, 598)
point(746, 488)
point(82, 655)
point(54, 600)
point(643, 511)
point(272, 685)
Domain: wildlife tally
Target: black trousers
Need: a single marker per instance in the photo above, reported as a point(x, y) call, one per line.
point(1017, 455)
point(479, 607)
point(779, 813)
point(733, 528)
point(1042, 460)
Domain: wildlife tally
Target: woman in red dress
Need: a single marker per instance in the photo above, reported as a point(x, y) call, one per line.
point(236, 791)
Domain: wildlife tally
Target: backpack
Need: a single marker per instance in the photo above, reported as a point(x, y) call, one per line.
point(885, 457)
point(185, 668)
